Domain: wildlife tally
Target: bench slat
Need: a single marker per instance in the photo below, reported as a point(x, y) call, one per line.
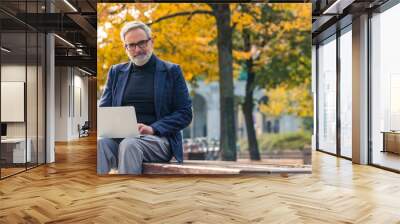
point(221, 167)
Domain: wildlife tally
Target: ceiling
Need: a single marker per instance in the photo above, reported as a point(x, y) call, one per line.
point(330, 15)
point(74, 22)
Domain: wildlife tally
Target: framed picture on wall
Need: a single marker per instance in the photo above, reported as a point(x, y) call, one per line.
point(12, 101)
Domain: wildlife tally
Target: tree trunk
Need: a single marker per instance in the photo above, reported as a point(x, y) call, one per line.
point(248, 104)
point(227, 119)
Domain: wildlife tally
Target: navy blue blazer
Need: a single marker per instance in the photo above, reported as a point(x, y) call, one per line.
point(173, 105)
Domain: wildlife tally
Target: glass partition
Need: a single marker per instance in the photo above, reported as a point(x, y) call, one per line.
point(22, 88)
point(327, 95)
point(15, 149)
point(346, 92)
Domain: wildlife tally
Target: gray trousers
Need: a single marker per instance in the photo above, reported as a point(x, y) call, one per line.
point(127, 155)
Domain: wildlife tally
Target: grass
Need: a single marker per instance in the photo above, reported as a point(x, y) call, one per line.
point(274, 142)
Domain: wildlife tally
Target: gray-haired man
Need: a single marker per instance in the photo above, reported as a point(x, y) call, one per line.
point(158, 92)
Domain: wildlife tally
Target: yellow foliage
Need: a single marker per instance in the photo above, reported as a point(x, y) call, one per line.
point(278, 100)
point(284, 100)
point(302, 13)
point(241, 55)
point(184, 40)
point(189, 40)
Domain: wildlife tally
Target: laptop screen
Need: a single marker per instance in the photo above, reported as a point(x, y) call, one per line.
point(3, 129)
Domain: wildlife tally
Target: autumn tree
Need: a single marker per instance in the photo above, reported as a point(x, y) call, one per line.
point(268, 33)
point(170, 21)
point(196, 36)
point(289, 87)
point(180, 35)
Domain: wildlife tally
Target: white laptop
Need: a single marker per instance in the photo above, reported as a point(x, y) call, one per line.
point(116, 122)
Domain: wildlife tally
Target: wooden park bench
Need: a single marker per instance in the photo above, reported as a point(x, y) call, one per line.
point(197, 167)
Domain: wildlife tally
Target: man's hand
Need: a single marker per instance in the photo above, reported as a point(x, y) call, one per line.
point(145, 130)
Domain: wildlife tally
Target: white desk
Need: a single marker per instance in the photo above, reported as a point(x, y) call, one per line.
point(18, 150)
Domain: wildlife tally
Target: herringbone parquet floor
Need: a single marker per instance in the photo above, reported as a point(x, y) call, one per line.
point(69, 191)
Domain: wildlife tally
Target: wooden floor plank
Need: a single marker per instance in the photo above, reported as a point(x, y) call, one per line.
point(70, 191)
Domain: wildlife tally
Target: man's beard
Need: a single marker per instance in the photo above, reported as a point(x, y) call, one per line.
point(140, 59)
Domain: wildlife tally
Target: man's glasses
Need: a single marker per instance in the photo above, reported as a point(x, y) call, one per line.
point(141, 44)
